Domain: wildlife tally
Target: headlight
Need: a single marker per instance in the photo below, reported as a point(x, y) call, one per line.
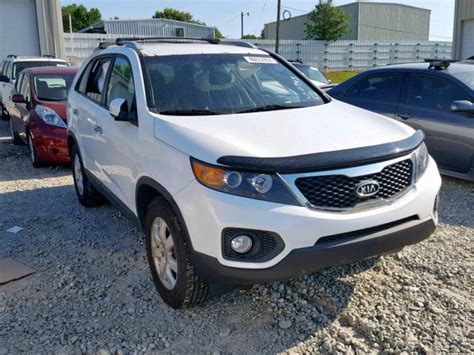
point(422, 158)
point(50, 116)
point(260, 186)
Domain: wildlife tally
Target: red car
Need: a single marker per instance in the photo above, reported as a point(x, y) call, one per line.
point(39, 116)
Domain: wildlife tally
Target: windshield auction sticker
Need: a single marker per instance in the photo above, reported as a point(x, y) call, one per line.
point(260, 60)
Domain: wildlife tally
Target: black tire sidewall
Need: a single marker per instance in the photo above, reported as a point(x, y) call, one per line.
point(175, 297)
point(37, 163)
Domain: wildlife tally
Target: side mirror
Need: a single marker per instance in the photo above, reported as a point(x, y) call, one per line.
point(462, 106)
point(329, 81)
point(4, 79)
point(118, 109)
point(19, 99)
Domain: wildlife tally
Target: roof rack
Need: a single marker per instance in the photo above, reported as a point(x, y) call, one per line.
point(48, 56)
point(439, 64)
point(12, 56)
point(122, 41)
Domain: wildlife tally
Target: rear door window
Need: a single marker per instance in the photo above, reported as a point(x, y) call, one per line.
point(382, 88)
point(432, 93)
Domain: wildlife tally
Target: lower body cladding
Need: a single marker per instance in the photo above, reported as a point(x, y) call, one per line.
point(51, 145)
point(292, 240)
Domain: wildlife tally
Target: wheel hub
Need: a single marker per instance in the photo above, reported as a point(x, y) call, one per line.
point(163, 252)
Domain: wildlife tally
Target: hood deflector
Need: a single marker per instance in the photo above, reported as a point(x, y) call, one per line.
point(326, 160)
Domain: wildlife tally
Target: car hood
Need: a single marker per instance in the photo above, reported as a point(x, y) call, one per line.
point(283, 133)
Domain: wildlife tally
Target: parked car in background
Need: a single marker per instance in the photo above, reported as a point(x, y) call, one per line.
point(38, 116)
point(238, 169)
point(12, 65)
point(436, 97)
point(313, 74)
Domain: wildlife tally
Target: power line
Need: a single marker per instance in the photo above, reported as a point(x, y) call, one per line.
point(260, 17)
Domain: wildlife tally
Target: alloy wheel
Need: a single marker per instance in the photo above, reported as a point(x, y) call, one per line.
point(163, 251)
point(78, 178)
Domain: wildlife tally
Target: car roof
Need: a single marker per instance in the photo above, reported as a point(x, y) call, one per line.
point(453, 68)
point(34, 58)
point(166, 49)
point(51, 70)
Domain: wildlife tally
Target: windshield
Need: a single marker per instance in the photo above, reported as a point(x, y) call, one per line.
point(225, 83)
point(52, 87)
point(19, 66)
point(312, 73)
point(466, 77)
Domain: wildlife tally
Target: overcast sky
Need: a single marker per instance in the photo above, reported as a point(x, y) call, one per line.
point(225, 14)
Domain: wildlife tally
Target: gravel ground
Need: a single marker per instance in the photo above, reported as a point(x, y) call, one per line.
point(93, 292)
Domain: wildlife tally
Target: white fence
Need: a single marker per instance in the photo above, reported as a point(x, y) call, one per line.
point(341, 55)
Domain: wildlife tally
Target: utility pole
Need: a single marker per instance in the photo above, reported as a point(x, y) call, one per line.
point(242, 14)
point(277, 38)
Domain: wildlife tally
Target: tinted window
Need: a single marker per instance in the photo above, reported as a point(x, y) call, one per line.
point(384, 88)
point(52, 87)
point(312, 73)
point(18, 83)
point(225, 83)
point(19, 66)
point(6, 69)
point(121, 85)
point(95, 80)
point(433, 93)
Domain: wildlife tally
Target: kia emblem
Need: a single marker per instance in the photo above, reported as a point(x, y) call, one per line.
point(367, 188)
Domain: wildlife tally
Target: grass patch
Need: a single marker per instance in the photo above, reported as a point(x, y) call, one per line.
point(339, 76)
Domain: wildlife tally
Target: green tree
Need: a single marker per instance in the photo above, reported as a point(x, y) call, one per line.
point(81, 17)
point(249, 37)
point(262, 34)
point(174, 14)
point(178, 15)
point(327, 22)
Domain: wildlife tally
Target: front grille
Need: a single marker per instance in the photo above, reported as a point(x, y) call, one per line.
point(339, 191)
point(266, 245)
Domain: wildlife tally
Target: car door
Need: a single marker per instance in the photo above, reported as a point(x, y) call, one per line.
point(120, 137)
point(7, 86)
point(23, 109)
point(426, 105)
point(378, 92)
point(86, 109)
point(15, 116)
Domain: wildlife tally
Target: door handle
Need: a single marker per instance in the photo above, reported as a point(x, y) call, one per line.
point(98, 129)
point(404, 116)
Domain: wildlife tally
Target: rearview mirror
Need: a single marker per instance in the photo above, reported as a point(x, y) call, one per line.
point(462, 106)
point(18, 99)
point(118, 109)
point(4, 79)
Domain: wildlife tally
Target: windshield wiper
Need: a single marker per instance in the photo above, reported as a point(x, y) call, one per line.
point(189, 112)
point(270, 108)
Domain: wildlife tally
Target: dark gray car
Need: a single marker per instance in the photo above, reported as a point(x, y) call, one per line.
point(436, 97)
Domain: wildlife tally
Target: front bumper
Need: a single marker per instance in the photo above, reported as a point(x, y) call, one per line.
point(51, 144)
point(305, 260)
point(207, 213)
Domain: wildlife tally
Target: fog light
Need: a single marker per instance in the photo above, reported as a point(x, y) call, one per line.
point(241, 244)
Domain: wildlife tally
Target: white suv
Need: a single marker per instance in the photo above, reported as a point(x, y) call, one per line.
point(238, 169)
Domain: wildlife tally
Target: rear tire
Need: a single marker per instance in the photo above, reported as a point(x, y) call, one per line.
point(169, 257)
point(35, 160)
point(3, 113)
point(15, 137)
point(86, 193)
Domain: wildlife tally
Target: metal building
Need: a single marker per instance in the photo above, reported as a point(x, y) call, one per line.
point(369, 21)
point(151, 27)
point(31, 27)
point(463, 29)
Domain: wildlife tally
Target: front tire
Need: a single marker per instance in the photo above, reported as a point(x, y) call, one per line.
point(35, 160)
point(169, 257)
point(86, 193)
point(3, 113)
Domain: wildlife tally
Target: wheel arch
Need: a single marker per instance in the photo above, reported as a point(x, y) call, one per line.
point(146, 191)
